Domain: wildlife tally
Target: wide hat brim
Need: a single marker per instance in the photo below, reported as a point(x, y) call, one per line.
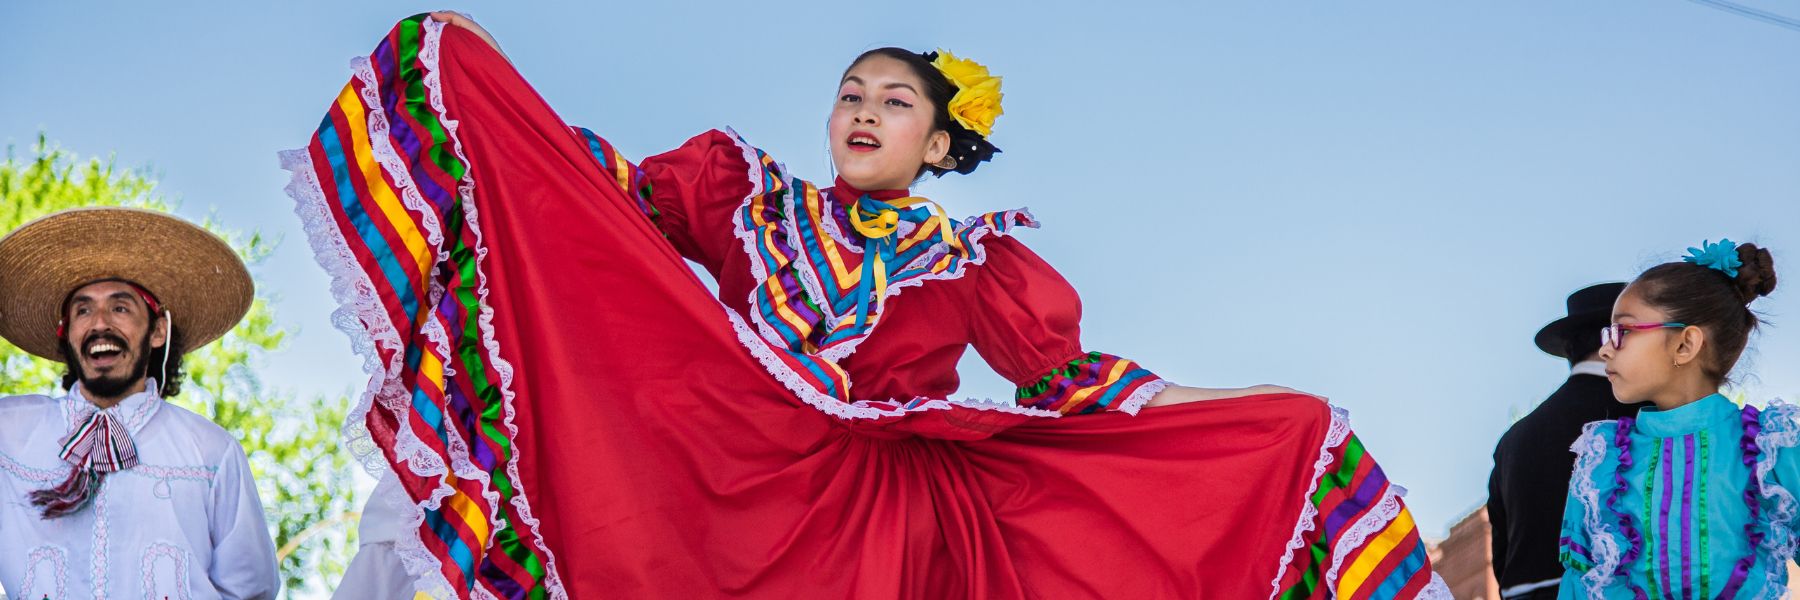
point(191, 272)
point(1551, 339)
point(1588, 308)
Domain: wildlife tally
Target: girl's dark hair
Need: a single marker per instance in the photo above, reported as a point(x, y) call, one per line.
point(1711, 299)
point(967, 147)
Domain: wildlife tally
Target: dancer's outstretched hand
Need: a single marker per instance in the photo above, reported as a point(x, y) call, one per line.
point(457, 19)
point(1177, 394)
point(1258, 390)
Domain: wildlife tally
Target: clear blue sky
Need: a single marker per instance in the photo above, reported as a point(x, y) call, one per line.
point(1380, 202)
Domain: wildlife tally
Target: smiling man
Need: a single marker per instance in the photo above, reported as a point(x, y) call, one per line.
point(109, 491)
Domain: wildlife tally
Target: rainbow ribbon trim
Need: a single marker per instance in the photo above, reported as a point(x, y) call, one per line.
point(390, 190)
point(1093, 382)
point(813, 297)
point(1363, 543)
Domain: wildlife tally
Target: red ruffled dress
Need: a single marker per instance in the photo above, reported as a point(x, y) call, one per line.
point(573, 414)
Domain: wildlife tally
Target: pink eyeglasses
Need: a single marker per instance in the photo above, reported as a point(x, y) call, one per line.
point(1614, 334)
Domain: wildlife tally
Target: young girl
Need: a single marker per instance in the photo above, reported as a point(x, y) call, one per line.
point(1691, 499)
point(571, 413)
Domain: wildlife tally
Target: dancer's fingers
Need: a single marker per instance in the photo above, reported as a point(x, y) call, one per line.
point(458, 19)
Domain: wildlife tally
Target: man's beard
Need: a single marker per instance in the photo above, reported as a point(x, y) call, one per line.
point(114, 387)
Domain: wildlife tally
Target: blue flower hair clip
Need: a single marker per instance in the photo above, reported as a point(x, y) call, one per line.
point(1722, 256)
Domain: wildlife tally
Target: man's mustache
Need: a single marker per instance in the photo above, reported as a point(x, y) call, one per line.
point(102, 337)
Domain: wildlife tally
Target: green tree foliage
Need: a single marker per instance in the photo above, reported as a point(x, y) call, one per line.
point(303, 477)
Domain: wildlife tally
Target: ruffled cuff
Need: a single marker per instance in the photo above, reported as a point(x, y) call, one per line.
point(1093, 382)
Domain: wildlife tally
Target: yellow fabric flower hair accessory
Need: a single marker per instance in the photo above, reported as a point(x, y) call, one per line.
point(977, 100)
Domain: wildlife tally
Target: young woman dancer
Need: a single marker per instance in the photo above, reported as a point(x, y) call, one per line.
point(572, 414)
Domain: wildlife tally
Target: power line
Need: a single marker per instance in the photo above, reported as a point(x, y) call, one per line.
point(1760, 15)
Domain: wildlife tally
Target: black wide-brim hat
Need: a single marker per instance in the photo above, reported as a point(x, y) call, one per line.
point(1590, 307)
point(191, 272)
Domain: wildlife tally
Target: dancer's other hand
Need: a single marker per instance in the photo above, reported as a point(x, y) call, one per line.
point(457, 19)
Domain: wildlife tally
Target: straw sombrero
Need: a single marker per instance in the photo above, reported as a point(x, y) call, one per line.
point(192, 272)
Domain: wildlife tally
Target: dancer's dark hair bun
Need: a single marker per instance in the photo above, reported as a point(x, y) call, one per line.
point(1756, 278)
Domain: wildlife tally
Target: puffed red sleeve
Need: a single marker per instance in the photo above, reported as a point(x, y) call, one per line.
point(1028, 328)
